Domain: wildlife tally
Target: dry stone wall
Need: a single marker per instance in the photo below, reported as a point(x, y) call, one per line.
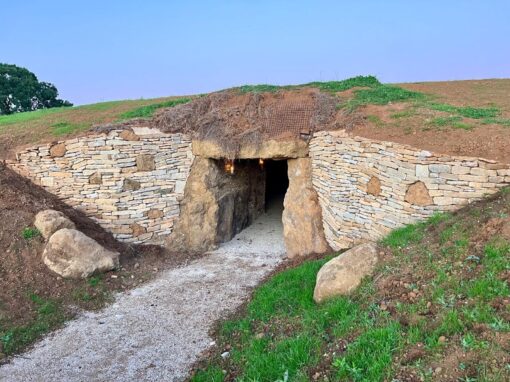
point(130, 181)
point(367, 188)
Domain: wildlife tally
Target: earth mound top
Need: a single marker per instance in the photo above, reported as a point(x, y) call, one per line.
point(233, 118)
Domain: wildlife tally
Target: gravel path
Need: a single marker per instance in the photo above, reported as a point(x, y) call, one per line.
point(156, 332)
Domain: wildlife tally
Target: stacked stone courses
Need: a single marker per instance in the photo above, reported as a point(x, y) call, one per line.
point(130, 182)
point(410, 185)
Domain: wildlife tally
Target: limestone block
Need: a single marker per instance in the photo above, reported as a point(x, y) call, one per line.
point(422, 171)
point(439, 168)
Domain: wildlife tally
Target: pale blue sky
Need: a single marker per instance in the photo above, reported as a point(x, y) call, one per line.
point(106, 50)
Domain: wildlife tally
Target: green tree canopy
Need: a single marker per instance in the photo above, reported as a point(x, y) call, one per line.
point(20, 90)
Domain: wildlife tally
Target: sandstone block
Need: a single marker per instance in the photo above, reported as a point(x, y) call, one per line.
point(374, 186)
point(72, 254)
point(50, 221)
point(130, 185)
point(96, 178)
point(129, 135)
point(137, 229)
point(341, 275)
point(58, 150)
point(155, 214)
point(418, 194)
point(302, 216)
point(145, 162)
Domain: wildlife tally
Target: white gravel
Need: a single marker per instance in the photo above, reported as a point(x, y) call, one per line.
point(156, 332)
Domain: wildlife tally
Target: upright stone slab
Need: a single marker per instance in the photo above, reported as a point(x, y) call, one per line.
point(302, 216)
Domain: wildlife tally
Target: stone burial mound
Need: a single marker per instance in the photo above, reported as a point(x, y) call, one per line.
point(196, 174)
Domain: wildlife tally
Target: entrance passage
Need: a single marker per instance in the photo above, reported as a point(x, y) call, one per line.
point(277, 182)
point(250, 189)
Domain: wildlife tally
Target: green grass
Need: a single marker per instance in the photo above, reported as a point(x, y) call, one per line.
point(38, 126)
point(49, 315)
point(496, 121)
point(403, 114)
point(328, 86)
point(466, 111)
point(451, 121)
point(383, 95)
point(261, 88)
point(66, 128)
point(286, 301)
point(349, 83)
point(148, 111)
point(15, 118)
point(283, 335)
point(29, 233)
point(375, 120)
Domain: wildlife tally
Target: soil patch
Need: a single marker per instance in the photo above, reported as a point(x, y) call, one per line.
point(418, 129)
point(23, 275)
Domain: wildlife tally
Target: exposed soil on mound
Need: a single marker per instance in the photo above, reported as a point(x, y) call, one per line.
point(485, 141)
point(478, 93)
point(231, 118)
point(22, 272)
point(405, 123)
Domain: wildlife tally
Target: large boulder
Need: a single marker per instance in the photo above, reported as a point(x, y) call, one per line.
point(72, 254)
point(344, 273)
point(50, 221)
point(302, 215)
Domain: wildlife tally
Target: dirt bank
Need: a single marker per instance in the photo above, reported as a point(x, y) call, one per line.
point(24, 279)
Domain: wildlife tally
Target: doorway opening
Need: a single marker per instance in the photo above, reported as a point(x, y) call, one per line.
point(277, 183)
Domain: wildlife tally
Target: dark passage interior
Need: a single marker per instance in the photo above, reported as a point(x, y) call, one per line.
point(247, 189)
point(277, 182)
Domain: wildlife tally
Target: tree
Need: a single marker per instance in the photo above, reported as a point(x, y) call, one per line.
point(20, 90)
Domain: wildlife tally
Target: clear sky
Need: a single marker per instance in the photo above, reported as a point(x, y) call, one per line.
point(118, 49)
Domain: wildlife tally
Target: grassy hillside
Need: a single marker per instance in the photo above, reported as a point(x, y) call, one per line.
point(437, 309)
